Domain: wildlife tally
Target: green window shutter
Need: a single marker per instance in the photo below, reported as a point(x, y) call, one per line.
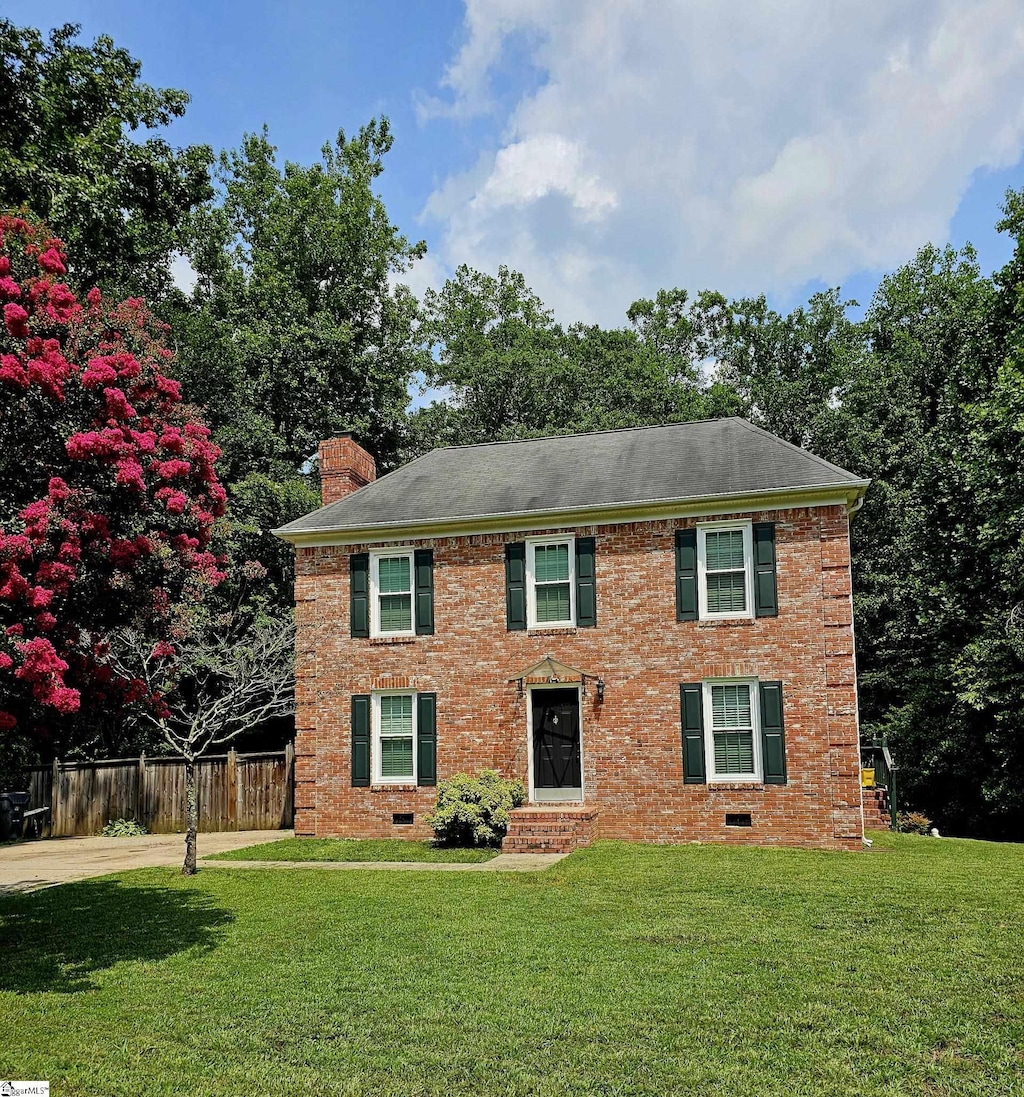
point(773, 743)
point(686, 575)
point(359, 591)
point(586, 583)
point(515, 585)
point(424, 566)
point(766, 598)
point(361, 739)
point(691, 705)
point(426, 738)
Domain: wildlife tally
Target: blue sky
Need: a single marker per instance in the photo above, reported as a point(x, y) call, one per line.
point(611, 148)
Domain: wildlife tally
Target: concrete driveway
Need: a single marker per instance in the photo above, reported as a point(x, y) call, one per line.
point(26, 866)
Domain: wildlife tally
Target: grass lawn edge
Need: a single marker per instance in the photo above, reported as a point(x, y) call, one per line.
point(354, 850)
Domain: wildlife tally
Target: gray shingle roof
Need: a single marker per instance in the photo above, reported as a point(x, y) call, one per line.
point(679, 461)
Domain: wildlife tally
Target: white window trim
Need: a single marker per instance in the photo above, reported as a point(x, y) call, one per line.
point(531, 600)
point(755, 778)
point(375, 559)
point(702, 568)
point(375, 737)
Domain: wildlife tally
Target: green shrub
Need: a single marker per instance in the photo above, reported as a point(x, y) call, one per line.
point(124, 828)
point(913, 822)
point(474, 811)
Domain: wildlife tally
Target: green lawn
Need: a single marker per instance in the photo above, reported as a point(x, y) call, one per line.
point(353, 849)
point(625, 969)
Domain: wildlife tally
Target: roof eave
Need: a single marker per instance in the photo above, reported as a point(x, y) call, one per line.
point(847, 492)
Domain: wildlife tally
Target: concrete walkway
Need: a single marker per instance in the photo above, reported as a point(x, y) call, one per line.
point(504, 862)
point(26, 866)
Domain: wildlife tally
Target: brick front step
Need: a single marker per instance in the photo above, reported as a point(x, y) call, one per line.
point(876, 809)
point(535, 829)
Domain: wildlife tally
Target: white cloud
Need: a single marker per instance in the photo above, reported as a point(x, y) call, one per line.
point(428, 272)
point(745, 147)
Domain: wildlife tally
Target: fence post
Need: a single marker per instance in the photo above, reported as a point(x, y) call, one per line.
point(55, 800)
point(232, 789)
point(141, 806)
point(289, 784)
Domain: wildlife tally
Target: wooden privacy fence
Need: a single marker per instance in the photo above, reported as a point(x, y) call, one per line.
point(236, 792)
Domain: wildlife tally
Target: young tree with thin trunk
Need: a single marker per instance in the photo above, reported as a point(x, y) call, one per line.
point(226, 677)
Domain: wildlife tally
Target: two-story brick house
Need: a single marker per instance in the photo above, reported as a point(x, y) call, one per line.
point(652, 628)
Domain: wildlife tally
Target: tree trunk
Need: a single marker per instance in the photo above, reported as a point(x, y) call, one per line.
point(191, 818)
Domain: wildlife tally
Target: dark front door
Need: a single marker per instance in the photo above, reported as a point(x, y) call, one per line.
point(556, 744)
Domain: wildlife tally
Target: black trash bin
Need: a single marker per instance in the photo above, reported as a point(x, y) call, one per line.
point(12, 814)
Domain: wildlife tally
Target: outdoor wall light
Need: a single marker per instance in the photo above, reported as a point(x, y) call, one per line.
point(600, 691)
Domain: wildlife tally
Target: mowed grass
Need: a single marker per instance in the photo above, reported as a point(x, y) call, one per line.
point(354, 849)
point(625, 969)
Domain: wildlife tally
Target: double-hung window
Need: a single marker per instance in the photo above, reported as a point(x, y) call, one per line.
point(725, 567)
point(731, 730)
point(551, 582)
point(394, 739)
point(391, 594)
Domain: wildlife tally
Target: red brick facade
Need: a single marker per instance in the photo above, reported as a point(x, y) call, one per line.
point(632, 761)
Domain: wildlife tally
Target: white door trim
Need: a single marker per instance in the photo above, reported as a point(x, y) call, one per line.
point(529, 740)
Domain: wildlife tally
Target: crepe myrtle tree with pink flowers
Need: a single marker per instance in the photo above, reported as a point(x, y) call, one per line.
point(108, 500)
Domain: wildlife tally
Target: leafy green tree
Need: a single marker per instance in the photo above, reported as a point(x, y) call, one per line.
point(910, 397)
point(70, 116)
point(989, 670)
point(510, 371)
point(297, 328)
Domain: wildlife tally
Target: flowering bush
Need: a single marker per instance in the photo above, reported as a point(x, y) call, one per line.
point(913, 822)
point(108, 493)
point(474, 811)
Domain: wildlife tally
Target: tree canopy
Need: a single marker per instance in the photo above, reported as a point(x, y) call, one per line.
point(71, 117)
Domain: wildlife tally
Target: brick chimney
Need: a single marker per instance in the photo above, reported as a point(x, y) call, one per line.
point(344, 467)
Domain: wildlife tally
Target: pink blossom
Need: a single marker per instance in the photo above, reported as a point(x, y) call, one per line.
point(39, 597)
point(12, 372)
point(129, 475)
point(39, 660)
point(16, 320)
point(98, 372)
point(117, 406)
point(64, 699)
point(168, 388)
point(168, 470)
point(51, 262)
